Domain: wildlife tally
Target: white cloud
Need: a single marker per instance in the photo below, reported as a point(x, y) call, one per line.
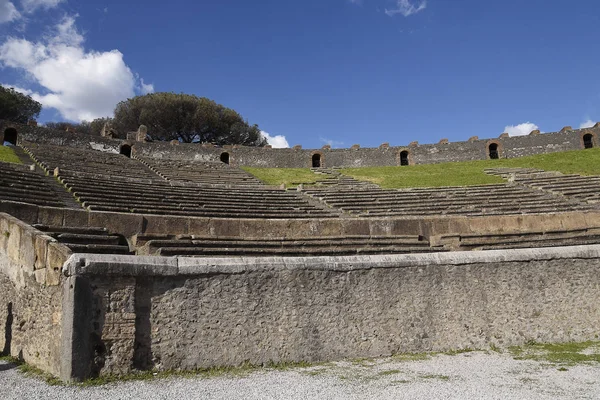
point(8, 12)
point(587, 124)
point(30, 6)
point(521, 129)
point(146, 88)
point(407, 8)
point(278, 142)
point(80, 84)
point(331, 142)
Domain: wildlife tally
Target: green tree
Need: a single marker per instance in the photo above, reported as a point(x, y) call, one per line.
point(187, 118)
point(17, 107)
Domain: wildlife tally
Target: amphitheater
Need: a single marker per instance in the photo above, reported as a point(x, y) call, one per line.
point(119, 255)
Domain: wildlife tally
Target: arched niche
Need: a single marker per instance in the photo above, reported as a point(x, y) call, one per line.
point(588, 141)
point(317, 159)
point(493, 150)
point(125, 149)
point(224, 157)
point(10, 136)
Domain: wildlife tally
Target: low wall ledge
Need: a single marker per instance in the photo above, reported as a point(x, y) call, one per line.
point(116, 265)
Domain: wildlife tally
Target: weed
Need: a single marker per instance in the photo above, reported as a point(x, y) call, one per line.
point(435, 376)
point(557, 353)
point(390, 372)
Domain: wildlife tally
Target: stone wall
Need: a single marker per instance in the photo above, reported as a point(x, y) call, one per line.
point(473, 149)
point(30, 294)
point(130, 225)
point(185, 313)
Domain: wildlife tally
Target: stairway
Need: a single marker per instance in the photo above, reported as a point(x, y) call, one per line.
point(91, 240)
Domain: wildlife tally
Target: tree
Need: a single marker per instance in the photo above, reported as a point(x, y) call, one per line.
point(187, 118)
point(93, 128)
point(17, 107)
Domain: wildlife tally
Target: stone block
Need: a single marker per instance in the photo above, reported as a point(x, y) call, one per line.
point(40, 276)
point(50, 216)
point(413, 144)
point(504, 135)
point(566, 129)
point(199, 226)
point(41, 250)
point(165, 224)
point(384, 146)
point(25, 212)
point(125, 224)
point(75, 217)
point(225, 227)
point(56, 255)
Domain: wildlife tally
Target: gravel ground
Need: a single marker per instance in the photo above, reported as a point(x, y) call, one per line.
point(475, 375)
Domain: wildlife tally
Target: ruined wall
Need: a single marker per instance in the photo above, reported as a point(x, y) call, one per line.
point(189, 313)
point(30, 295)
point(474, 149)
point(509, 147)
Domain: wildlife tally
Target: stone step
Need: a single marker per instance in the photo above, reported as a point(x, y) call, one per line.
point(324, 251)
point(98, 248)
point(77, 238)
point(87, 230)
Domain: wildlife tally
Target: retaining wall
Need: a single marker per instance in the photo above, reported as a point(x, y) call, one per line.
point(31, 294)
point(130, 225)
point(186, 313)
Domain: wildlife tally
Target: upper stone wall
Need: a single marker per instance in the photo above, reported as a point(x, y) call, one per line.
point(473, 149)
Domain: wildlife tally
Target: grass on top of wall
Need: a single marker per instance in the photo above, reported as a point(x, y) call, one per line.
point(584, 162)
point(291, 177)
point(7, 154)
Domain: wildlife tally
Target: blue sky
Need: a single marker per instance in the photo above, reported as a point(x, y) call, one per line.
point(318, 71)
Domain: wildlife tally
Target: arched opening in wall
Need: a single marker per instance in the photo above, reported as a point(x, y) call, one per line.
point(10, 137)
point(588, 141)
point(225, 158)
point(493, 151)
point(404, 158)
point(316, 161)
point(125, 150)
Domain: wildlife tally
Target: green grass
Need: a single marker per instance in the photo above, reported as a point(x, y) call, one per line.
point(564, 354)
point(584, 162)
point(8, 155)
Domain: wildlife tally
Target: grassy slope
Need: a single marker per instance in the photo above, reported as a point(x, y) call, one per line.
point(8, 155)
point(289, 176)
point(585, 162)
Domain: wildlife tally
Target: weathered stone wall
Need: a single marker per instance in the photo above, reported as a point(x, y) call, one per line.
point(130, 225)
point(188, 313)
point(30, 294)
point(474, 149)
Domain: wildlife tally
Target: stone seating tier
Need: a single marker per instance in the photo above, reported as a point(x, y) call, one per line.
point(200, 172)
point(112, 182)
point(493, 199)
point(18, 183)
point(313, 246)
point(574, 237)
point(90, 240)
